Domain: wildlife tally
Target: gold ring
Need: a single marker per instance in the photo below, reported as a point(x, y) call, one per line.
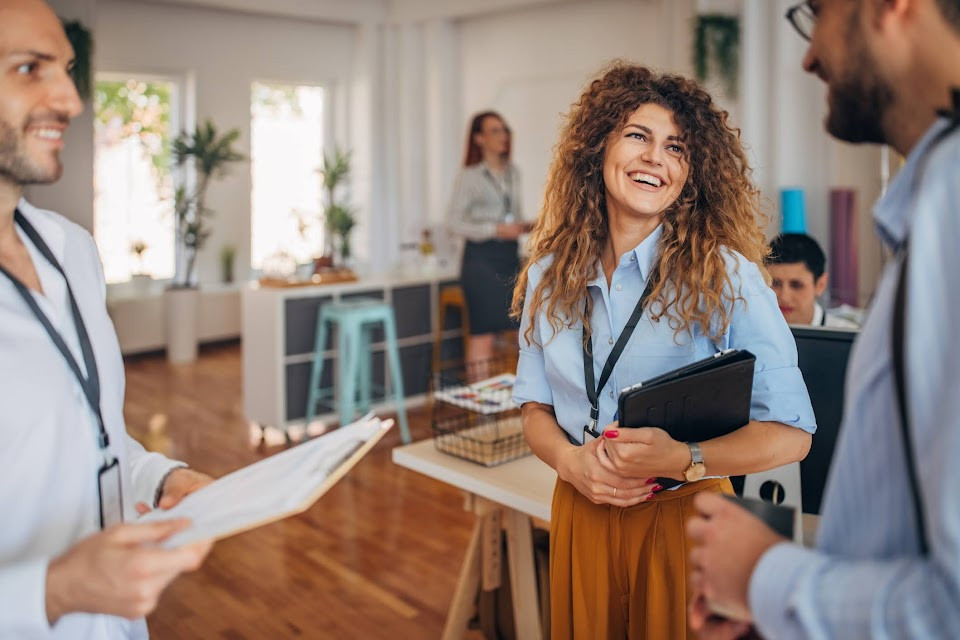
point(614, 492)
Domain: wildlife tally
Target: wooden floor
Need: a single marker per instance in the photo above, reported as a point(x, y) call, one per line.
point(376, 557)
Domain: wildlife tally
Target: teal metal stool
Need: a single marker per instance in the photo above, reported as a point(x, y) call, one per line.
point(356, 320)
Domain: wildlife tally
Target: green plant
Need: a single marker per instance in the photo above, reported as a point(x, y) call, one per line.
point(228, 254)
point(211, 154)
point(138, 247)
point(82, 43)
point(717, 40)
point(339, 218)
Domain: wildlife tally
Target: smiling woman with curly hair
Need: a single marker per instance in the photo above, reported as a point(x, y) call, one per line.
point(649, 193)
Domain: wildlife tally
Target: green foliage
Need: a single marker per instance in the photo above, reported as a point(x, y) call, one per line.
point(82, 42)
point(143, 110)
point(211, 154)
point(717, 40)
point(275, 98)
point(340, 218)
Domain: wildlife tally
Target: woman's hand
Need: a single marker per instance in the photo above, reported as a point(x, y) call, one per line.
point(581, 467)
point(642, 452)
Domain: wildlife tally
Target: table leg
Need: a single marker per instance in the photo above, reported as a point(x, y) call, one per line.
point(462, 606)
point(523, 575)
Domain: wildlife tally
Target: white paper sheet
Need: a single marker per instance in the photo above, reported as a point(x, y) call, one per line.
point(275, 487)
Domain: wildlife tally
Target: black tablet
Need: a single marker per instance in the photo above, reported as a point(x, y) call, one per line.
point(703, 400)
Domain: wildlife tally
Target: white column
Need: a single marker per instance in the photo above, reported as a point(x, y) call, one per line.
point(442, 116)
point(756, 98)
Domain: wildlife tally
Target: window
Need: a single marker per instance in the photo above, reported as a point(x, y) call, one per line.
point(286, 151)
point(134, 121)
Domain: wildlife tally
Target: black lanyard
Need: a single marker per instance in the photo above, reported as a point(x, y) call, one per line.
point(503, 191)
point(91, 383)
point(593, 392)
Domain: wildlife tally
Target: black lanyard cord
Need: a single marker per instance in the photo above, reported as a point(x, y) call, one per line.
point(504, 191)
point(91, 383)
point(593, 391)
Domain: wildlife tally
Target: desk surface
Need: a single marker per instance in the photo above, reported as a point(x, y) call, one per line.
point(525, 485)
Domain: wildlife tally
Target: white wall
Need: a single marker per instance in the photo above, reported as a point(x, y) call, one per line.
point(224, 52)
point(532, 64)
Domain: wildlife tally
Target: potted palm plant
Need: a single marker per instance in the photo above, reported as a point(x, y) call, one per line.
point(210, 154)
point(339, 218)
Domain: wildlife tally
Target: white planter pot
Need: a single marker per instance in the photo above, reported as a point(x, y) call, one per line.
point(181, 307)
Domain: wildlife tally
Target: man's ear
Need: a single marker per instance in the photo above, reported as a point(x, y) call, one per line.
point(820, 285)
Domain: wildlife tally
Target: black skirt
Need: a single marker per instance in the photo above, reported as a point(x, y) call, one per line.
point(487, 275)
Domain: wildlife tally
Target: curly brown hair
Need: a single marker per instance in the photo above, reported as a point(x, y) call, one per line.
point(717, 211)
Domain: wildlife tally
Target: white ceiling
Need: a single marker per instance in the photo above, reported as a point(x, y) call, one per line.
point(357, 11)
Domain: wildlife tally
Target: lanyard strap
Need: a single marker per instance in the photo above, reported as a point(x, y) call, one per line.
point(593, 392)
point(503, 191)
point(91, 383)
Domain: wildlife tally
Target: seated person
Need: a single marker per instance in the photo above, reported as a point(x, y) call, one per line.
point(797, 266)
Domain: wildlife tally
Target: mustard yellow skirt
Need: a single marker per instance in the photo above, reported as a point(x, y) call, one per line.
point(621, 572)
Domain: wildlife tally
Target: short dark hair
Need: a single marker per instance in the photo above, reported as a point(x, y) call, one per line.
point(789, 248)
point(951, 11)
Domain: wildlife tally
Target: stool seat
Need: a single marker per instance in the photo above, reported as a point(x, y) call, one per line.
point(355, 320)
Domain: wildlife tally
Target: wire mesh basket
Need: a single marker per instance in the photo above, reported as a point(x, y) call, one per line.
point(473, 415)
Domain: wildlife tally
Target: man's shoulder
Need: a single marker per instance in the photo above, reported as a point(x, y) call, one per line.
point(46, 217)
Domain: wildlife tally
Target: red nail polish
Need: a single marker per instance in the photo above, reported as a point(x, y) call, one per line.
point(650, 497)
point(658, 487)
point(651, 480)
point(611, 433)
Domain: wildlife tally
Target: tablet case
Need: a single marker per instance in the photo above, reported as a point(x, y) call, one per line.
point(703, 400)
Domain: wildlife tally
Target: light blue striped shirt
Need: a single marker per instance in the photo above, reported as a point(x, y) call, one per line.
point(867, 579)
point(550, 369)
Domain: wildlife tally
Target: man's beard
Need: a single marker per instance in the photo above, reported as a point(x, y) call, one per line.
point(16, 167)
point(856, 110)
point(859, 99)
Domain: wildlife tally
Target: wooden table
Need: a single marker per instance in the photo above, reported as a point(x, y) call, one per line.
point(507, 496)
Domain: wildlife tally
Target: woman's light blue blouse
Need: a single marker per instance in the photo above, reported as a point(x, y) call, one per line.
point(550, 369)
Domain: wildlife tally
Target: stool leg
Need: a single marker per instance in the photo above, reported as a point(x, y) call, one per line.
point(317, 370)
point(347, 378)
point(396, 376)
point(364, 358)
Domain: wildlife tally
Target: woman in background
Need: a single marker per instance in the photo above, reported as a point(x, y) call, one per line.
point(485, 210)
point(648, 199)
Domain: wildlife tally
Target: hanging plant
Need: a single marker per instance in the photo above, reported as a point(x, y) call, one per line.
point(82, 42)
point(716, 46)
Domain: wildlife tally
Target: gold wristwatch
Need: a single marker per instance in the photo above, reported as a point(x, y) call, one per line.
point(696, 470)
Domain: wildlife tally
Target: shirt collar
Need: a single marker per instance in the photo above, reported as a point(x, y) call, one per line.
point(50, 231)
point(644, 255)
point(817, 319)
point(891, 213)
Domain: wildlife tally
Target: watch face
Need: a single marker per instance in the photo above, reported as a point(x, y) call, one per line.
point(695, 472)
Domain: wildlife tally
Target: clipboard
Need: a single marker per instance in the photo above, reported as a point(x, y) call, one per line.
point(703, 400)
point(276, 487)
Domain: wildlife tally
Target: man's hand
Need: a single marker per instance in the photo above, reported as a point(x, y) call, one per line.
point(179, 484)
point(580, 466)
point(710, 626)
point(728, 542)
point(120, 571)
point(648, 451)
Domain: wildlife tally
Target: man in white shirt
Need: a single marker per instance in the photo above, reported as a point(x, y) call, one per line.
point(798, 268)
point(69, 473)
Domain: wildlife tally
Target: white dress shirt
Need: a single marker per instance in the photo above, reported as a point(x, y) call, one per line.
point(822, 318)
point(49, 456)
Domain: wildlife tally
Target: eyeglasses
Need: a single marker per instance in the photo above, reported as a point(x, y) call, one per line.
point(803, 19)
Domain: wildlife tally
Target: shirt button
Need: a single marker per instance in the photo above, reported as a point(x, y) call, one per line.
point(611, 393)
point(610, 340)
point(633, 258)
point(619, 287)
